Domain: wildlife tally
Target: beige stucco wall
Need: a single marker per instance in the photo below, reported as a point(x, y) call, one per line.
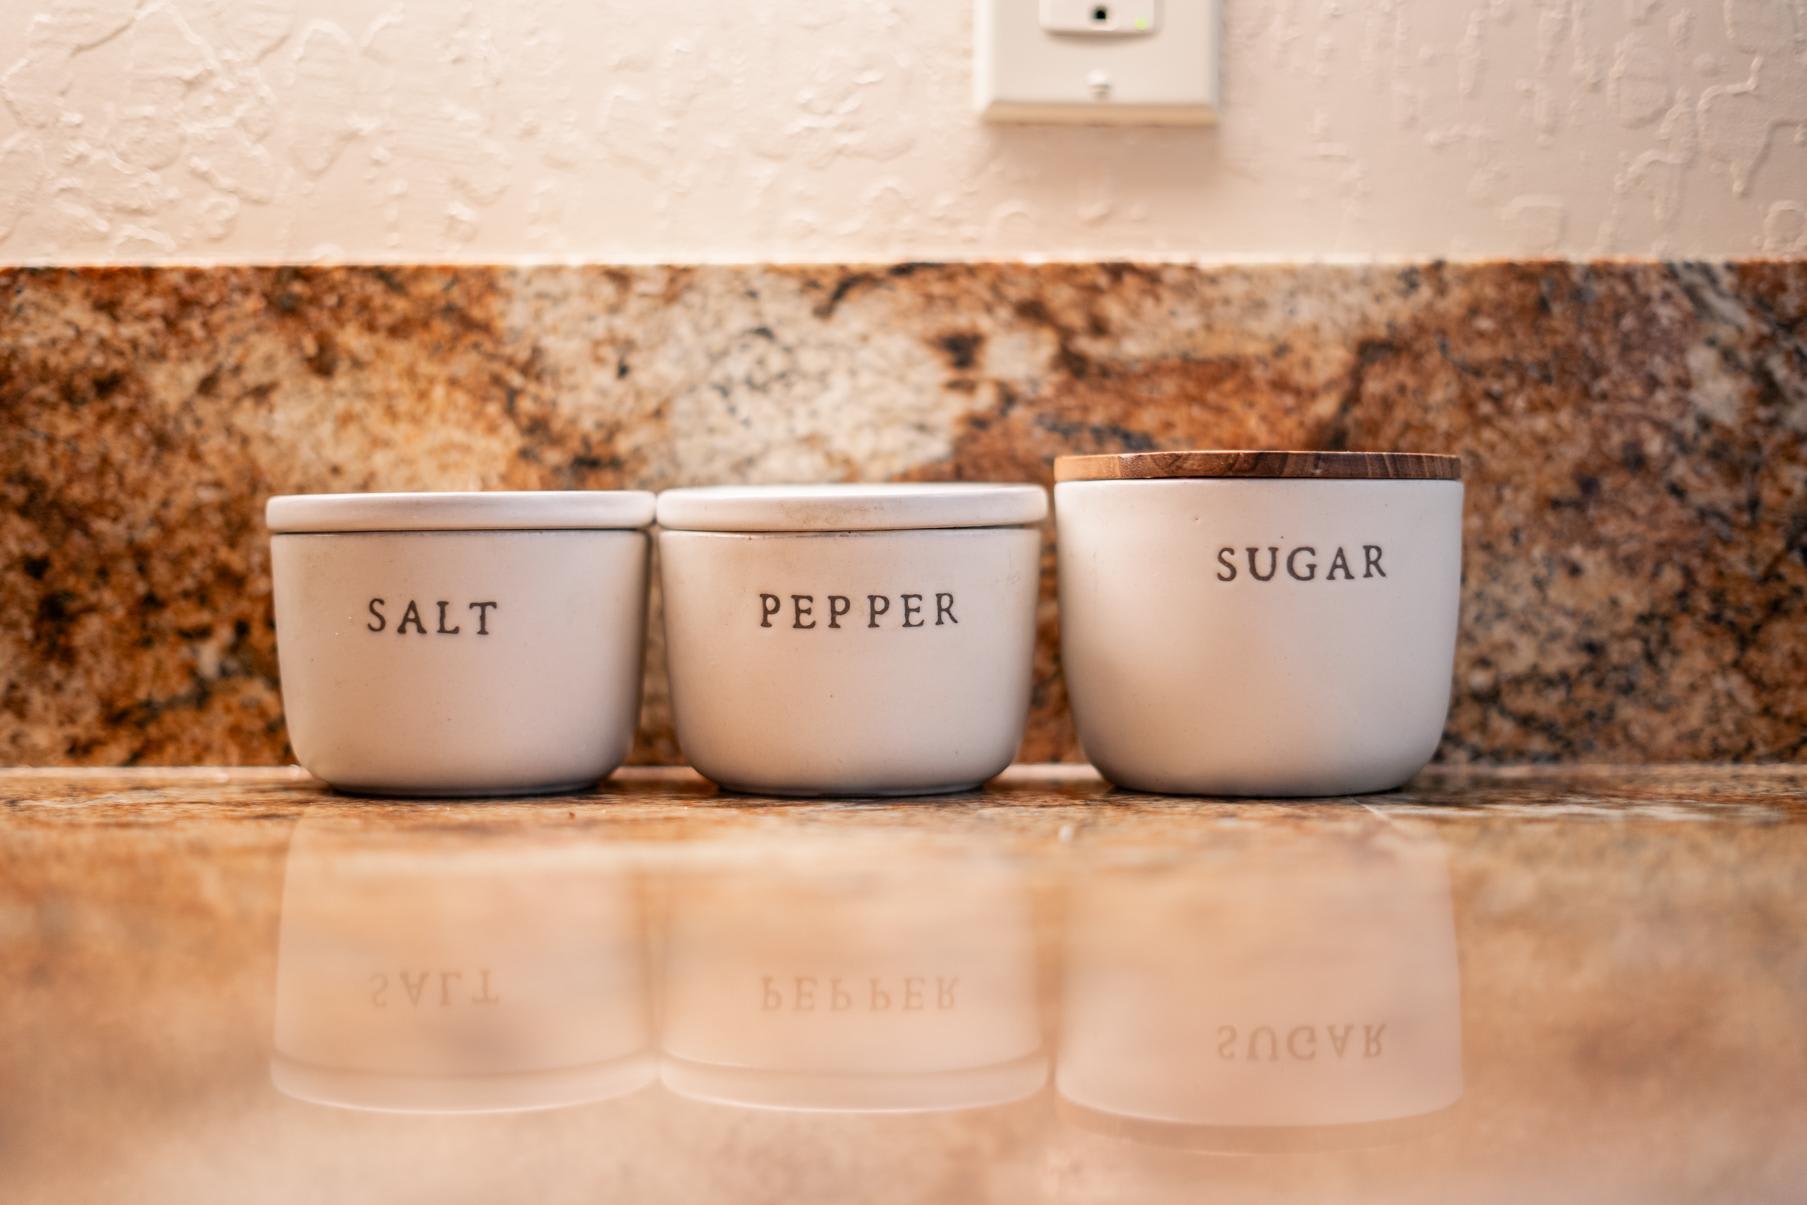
point(703, 130)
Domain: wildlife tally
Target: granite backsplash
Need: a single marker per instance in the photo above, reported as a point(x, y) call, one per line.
point(1635, 439)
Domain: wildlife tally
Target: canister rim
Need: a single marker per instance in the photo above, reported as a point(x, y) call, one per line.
point(494, 510)
point(1297, 465)
point(877, 507)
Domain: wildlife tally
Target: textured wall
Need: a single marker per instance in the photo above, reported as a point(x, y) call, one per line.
point(841, 129)
point(1635, 439)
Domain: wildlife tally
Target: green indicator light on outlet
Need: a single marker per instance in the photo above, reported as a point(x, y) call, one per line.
point(1141, 22)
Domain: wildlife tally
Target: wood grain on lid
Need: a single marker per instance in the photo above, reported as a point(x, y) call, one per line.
point(1342, 466)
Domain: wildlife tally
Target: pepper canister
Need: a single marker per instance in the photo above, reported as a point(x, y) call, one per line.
point(851, 639)
point(461, 643)
point(1259, 623)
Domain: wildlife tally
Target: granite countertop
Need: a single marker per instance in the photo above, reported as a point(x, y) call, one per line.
point(1498, 984)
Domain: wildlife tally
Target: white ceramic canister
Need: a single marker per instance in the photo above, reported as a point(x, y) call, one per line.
point(461, 643)
point(467, 969)
point(1259, 623)
point(831, 976)
point(851, 639)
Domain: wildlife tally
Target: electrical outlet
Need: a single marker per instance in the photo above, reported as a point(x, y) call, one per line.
point(1101, 62)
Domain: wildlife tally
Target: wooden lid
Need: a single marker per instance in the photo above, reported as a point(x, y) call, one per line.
point(1322, 466)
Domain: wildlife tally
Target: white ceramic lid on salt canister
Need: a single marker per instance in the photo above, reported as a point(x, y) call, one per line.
point(890, 507)
point(499, 510)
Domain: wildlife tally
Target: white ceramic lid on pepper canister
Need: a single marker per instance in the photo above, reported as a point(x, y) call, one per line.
point(899, 506)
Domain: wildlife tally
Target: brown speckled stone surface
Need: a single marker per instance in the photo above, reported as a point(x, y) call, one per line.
point(1618, 952)
point(1634, 435)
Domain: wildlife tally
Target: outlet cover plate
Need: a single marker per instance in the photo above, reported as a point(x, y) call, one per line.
point(1061, 61)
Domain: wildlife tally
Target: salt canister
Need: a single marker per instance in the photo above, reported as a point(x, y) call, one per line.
point(850, 639)
point(460, 643)
point(1259, 623)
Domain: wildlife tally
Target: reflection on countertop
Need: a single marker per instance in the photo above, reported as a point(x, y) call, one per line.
point(453, 972)
point(1272, 990)
point(1555, 984)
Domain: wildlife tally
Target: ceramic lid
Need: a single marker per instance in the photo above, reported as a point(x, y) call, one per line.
point(502, 510)
point(851, 507)
point(1345, 466)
